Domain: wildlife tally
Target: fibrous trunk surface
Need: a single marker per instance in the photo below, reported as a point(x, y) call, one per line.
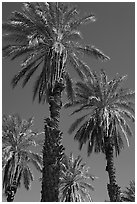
point(113, 188)
point(52, 149)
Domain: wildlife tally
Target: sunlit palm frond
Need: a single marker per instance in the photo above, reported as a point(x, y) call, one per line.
point(128, 195)
point(17, 138)
point(109, 105)
point(47, 32)
point(91, 51)
point(74, 179)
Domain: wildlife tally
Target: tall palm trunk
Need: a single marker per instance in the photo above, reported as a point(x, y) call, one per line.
point(52, 149)
point(113, 188)
point(11, 191)
point(10, 194)
point(12, 188)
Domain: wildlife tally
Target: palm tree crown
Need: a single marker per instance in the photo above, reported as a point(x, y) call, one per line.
point(74, 186)
point(129, 193)
point(17, 138)
point(108, 106)
point(47, 34)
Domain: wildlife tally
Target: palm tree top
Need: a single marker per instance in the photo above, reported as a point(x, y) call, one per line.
point(17, 133)
point(17, 138)
point(128, 195)
point(75, 179)
point(108, 107)
point(42, 33)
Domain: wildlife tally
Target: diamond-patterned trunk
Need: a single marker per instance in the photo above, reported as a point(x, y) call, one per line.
point(52, 149)
point(113, 188)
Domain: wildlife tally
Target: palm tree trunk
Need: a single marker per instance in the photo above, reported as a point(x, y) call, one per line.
point(10, 196)
point(113, 188)
point(52, 149)
point(12, 188)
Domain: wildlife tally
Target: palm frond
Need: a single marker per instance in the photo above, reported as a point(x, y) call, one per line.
point(70, 14)
point(91, 51)
point(72, 36)
point(84, 107)
point(16, 37)
point(29, 75)
point(73, 62)
point(83, 20)
point(36, 157)
point(72, 177)
point(76, 124)
point(18, 137)
point(116, 84)
point(30, 174)
point(128, 195)
point(21, 74)
point(87, 185)
point(26, 178)
point(36, 164)
point(85, 68)
point(129, 115)
point(124, 106)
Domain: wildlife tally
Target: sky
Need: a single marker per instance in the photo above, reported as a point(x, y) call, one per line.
point(113, 32)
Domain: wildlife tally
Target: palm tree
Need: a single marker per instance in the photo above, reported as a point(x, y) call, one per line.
point(47, 35)
point(108, 107)
point(74, 186)
point(17, 138)
point(129, 194)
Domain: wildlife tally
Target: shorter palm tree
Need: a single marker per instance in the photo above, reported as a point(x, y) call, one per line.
point(129, 194)
point(108, 107)
point(74, 186)
point(17, 138)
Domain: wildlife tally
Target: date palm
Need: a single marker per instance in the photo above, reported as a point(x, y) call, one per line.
point(48, 36)
point(129, 193)
point(17, 138)
point(75, 180)
point(108, 107)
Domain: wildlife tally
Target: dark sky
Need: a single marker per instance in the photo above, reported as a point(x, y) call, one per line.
point(114, 34)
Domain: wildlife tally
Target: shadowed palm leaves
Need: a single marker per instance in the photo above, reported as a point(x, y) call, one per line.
point(129, 193)
point(47, 35)
point(17, 137)
point(74, 186)
point(108, 107)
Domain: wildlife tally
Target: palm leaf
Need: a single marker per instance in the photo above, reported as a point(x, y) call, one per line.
point(70, 14)
point(36, 164)
point(31, 72)
point(76, 124)
point(73, 62)
point(36, 157)
point(18, 37)
point(92, 51)
point(30, 174)
point(72, 36)
point(26, 178)
point(87, 185)
point(83, 20)
point(85, 68)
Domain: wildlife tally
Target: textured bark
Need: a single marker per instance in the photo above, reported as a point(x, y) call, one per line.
point(113, 188)
point(52, 149)
point(10, 192)
point(12, 188)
